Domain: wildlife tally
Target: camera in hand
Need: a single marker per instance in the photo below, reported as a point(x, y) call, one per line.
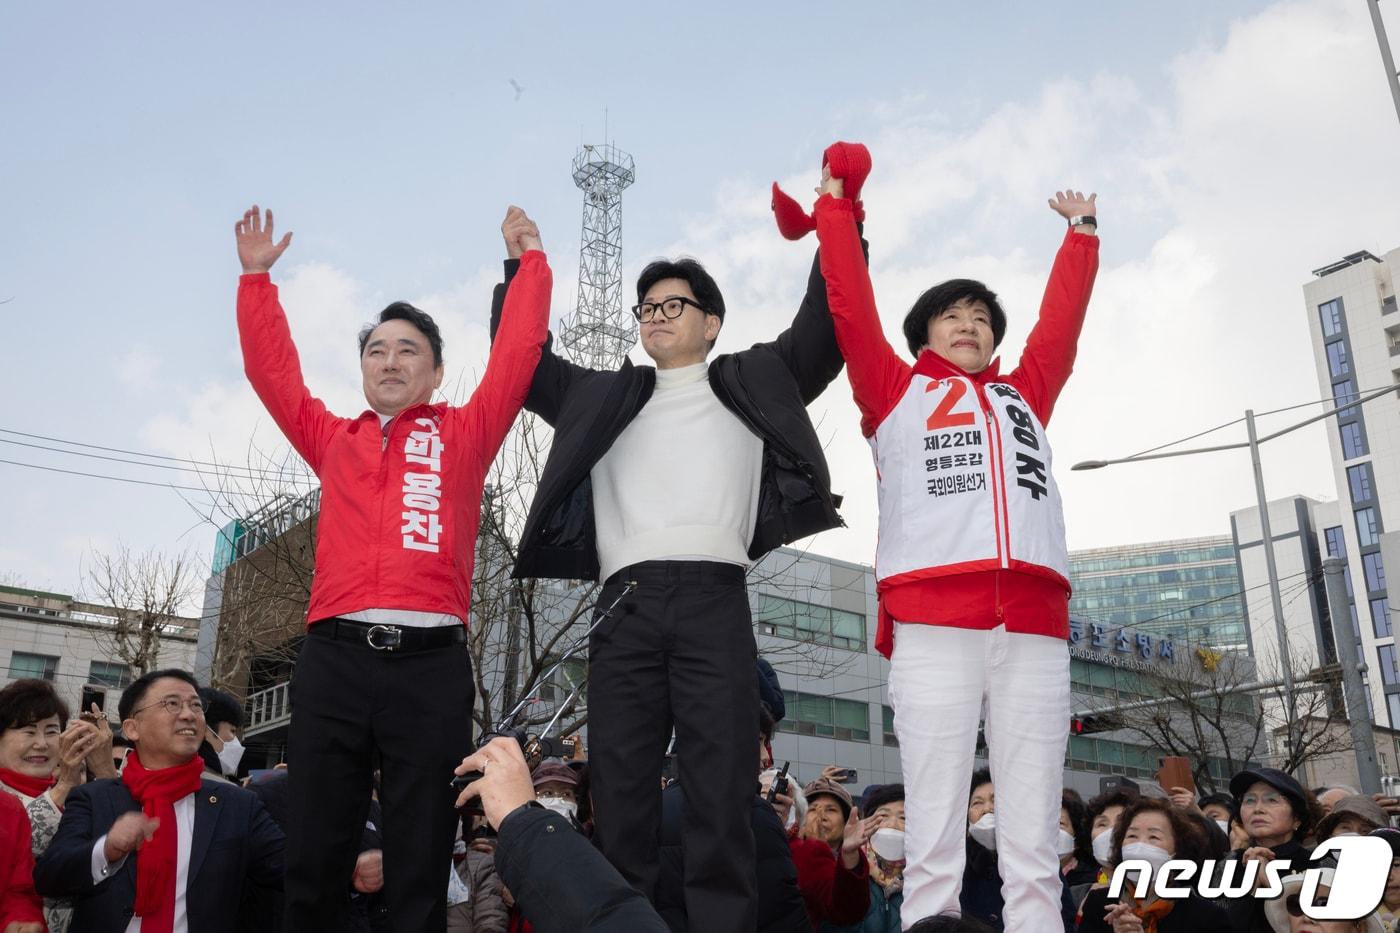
point(780, 784)
point(535, 748)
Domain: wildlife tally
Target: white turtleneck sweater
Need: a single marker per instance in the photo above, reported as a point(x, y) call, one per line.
point(681, 481)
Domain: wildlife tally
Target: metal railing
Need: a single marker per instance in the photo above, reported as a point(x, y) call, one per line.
point(268, 709)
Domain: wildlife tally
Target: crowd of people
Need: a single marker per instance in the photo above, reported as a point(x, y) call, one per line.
point(79, 801)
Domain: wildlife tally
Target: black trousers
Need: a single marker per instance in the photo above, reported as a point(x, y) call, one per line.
point(349, 701)
point(679, 651)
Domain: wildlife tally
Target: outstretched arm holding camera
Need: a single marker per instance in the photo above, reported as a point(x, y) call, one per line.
point(561, 882)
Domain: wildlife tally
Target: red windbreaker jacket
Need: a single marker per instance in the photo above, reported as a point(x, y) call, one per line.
point(399, 513)
point(1027, 596)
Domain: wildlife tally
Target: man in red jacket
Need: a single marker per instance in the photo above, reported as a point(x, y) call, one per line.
point(385, 667)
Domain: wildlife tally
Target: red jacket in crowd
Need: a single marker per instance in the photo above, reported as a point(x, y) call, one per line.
point(18, 902)
point(399, 507)
point(832, 892)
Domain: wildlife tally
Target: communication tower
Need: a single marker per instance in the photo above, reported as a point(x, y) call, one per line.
point(600, 331)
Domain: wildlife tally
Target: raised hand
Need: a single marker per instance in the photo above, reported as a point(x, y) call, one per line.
point(1069, 204)
point(1261, 854)
point(128, 833)
point(858, 833)
point(1183, 798)
point(256, 250)
point(1390, 805)
point(519, 232)
point(74, 745)
point(782, 803)
point(836, 187)
point(99, 759)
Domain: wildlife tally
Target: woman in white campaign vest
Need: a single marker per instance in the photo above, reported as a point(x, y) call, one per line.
point(971, 565)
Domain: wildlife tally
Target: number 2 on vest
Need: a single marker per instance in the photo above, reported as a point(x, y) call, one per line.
point(943, 416)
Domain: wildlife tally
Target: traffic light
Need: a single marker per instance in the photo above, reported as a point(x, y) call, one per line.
point(1088, 725)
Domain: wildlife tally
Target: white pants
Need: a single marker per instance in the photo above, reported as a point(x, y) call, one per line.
point(938, 679)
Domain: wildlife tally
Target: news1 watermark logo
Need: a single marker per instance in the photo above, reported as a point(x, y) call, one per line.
point(1357, 884)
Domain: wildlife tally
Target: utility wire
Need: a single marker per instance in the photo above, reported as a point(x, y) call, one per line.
point(229, 471)
point(1328, 400)
point(119, 479)
point(136, 453)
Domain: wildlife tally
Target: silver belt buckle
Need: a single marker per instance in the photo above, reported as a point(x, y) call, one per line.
point(393, 635)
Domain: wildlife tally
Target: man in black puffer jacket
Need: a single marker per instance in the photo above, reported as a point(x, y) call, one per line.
point(668, 483)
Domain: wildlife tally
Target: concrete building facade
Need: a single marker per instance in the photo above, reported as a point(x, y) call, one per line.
point(1352, 318)
point(56, 638)
point(1297, 524)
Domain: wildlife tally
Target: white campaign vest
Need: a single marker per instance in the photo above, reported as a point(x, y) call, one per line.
point(965, 488)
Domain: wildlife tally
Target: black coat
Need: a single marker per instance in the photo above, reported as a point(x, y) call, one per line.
point(564, 885)
point(768, 387)
point(981, 897)
point(1247, 913)
point(781, 908)
point(1192, 914)
point(234, 841)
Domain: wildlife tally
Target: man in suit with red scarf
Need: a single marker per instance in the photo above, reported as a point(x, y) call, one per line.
point(160, 849)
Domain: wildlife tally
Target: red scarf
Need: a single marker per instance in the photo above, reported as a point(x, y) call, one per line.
point(157, 792)
point(26, 785)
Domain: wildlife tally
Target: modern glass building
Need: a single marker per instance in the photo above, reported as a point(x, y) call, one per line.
point(1187, 589)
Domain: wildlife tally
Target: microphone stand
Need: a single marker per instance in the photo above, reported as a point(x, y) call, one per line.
point(535, 746)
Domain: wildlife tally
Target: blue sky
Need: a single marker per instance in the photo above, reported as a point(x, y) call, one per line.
point(1235, 147)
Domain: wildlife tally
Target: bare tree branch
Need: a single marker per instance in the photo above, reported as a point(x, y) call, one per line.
point(146, 593)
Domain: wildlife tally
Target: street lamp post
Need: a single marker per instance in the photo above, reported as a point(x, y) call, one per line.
point(1285, 659)
point(1363, 739)
point(1266, 532)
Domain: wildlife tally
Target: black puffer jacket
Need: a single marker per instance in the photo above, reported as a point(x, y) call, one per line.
point(768, 387)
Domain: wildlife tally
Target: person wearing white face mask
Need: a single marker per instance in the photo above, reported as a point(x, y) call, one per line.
point(1155, 832)
point(981, 894)
point(556, 788)
point(884, 807)
point(223, 720)
point(1078, 867)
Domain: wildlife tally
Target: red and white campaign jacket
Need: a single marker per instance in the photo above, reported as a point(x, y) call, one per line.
point(399, 510)
point(971, 527)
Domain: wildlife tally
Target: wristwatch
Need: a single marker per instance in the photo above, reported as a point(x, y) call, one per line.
point(1089, 219)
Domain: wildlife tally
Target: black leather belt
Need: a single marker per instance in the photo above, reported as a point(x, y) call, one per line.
point(673, 572)
point(385, 637)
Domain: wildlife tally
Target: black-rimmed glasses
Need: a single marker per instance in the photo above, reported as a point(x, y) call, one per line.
point(670, 309)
